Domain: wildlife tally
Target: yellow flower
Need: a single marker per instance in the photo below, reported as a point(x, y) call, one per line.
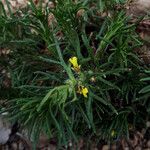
point(83, 90)
point(74, 62)
point(113, 133)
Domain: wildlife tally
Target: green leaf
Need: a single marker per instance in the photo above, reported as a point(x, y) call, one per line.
point(145, 89)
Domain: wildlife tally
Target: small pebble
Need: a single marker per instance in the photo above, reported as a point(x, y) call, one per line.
point(105, 147)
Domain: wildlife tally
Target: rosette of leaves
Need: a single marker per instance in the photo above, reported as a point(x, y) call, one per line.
point(44, 87)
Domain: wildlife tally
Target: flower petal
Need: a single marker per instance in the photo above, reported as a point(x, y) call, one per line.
point(85, 92)
point(74, 62)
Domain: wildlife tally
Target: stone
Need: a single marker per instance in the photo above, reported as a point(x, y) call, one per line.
point(5, 131)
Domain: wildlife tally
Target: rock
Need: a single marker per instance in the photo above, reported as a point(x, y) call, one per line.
point(5, 130)
point(4, 135)
point(105, 147)
point(148, 144)
point(143, 4)
point(139, 8)
point(148, 124)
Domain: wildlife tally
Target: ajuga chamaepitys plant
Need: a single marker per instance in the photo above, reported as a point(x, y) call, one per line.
point(74, 75)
